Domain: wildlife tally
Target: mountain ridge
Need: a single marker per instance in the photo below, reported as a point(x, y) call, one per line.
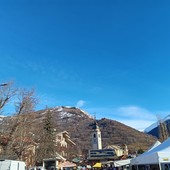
point(78, 124)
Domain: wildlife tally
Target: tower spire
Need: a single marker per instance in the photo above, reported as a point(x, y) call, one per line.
point(96, 136)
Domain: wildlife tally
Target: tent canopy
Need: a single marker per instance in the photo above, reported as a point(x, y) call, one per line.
point(122, 162)
point(97, 165)
point(156, 154)
point(118, 163)
point(154, 146)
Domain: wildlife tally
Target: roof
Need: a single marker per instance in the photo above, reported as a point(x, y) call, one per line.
point(113, 147)
point(154, 145)
point(66, 136)
point(67, 164)
point(156, 154)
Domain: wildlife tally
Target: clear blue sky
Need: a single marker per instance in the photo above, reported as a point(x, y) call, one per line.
point(110, 58)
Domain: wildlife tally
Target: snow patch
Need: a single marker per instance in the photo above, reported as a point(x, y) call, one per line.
point(87, 114)
point(60, 109)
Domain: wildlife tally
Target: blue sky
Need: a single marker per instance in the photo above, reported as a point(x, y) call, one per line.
point(110, 58)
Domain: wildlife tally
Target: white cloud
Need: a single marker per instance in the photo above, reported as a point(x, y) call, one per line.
point(135, 112)
point(138, 124)
point(80, 103)
point(133, 116)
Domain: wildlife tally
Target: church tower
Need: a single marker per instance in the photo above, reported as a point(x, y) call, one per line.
point(96, 137)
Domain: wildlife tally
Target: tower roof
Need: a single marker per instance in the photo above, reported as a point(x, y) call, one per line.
point(95, 125)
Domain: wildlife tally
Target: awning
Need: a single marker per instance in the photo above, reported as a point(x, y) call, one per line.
point(67, 164)
point(97, 165)
point(122, 162)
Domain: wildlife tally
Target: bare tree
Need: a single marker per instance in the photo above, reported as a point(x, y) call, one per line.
point(26, 102)
point(20, 131)
point(7, 92)
point(17, 136)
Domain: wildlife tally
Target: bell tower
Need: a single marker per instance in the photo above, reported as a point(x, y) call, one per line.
point(96, 137)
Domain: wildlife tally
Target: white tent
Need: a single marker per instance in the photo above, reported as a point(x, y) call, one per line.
point(154, 155)
point(122, 162)
point(154, 146)
point(118, 163)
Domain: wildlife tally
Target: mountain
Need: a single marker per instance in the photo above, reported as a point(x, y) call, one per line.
point(154, 128)
point(79, 125)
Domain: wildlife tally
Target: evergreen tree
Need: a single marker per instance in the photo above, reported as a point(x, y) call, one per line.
point(47, 144)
